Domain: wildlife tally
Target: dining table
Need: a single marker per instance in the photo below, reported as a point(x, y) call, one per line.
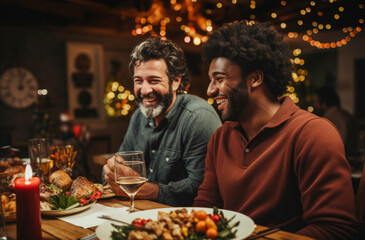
point(54, 228)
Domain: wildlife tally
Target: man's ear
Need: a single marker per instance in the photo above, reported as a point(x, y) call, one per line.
point(175, 84)
point(256, 78)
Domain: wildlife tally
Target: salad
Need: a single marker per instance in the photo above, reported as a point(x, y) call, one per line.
point(179, 225)
point(64, 201)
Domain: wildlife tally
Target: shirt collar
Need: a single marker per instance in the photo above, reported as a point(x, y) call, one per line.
point(174, 108)
point(287, 109)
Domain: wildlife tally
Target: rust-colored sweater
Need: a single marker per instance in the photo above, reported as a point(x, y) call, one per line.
point(294, 170)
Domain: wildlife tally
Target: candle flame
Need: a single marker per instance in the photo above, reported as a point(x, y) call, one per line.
point(28, 172)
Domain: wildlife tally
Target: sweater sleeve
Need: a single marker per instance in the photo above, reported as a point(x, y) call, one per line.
point(208, 193)
point(324, 181)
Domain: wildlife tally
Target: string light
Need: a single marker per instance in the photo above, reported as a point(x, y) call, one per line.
point(196, 26)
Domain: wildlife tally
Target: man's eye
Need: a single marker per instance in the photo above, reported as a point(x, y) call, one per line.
point(154, 81)
point(219, 79)
point(138, 81)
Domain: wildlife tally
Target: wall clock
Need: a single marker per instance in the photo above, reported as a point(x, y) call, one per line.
point(18, 87)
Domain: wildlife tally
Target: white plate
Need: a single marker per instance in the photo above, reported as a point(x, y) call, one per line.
point(56, 213)
point(244, 229)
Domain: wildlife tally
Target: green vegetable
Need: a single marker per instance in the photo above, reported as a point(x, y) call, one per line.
point(54, 187)
point(121, 233)
point(62, 201)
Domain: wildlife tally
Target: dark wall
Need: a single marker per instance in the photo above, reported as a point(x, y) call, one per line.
point(43, 52)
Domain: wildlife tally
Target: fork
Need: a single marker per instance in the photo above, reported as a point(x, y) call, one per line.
point(131, 225)
point(89, 237)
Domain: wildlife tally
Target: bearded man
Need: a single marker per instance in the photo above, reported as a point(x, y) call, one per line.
point(171, 127)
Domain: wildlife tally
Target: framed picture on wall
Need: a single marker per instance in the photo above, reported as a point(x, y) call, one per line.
point(85, 80)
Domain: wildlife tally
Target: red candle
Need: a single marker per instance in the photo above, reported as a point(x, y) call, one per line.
point(28, 213)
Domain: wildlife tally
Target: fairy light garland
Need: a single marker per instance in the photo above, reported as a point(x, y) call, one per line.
point(350, 32)
point(197, 27)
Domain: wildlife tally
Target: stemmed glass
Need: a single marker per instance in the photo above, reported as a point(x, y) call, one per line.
point(130, 173)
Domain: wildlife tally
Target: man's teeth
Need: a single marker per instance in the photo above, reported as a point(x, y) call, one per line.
point(219, 101)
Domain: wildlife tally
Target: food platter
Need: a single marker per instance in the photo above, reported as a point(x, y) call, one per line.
point(244, 229)
point(56, 213)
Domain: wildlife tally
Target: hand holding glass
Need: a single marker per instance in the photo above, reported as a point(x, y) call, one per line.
point(130, 173)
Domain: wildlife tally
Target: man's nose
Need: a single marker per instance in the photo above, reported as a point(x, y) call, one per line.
point(146, 89)
point(212, 88)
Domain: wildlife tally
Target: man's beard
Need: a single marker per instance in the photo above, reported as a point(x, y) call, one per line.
point(159, 108)
point(237, 102)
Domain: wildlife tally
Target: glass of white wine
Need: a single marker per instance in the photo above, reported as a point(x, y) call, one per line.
point(130, 173)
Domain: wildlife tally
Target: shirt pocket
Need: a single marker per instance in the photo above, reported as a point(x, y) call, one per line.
point(170, 165)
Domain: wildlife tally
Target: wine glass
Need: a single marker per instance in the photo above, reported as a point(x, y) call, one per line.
point(40, 157)
point(130, 173)
point(64, 157)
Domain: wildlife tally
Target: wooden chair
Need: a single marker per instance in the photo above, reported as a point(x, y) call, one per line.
point(360, 204)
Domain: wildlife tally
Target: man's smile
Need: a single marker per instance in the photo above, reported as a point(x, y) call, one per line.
point(221, 102)
point(148, 101)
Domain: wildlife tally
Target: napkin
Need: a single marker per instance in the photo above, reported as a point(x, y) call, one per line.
point(89, 218)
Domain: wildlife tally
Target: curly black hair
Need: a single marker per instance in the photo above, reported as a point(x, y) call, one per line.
point(253, 47)
point(156, 48)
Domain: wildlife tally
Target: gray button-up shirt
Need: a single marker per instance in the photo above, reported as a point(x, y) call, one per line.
point(174, 150)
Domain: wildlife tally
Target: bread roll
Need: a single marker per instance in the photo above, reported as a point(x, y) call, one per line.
point(81, 187)
point(60, 179)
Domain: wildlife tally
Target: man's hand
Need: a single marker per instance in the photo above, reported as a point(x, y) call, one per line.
point(148, 190)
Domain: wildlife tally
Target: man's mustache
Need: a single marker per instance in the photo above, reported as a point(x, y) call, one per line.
point(150, 95)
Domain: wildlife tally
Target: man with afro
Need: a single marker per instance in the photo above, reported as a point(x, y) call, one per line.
point(282, 166)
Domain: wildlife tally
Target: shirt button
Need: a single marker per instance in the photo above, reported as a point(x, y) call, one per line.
point(153, 151)
point(167, 159)
point(151, 170)
point(247, 150)
point(151, 124)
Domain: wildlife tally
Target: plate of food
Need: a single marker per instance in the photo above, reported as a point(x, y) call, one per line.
point(64, 212)
point(189, 222)
point(11, 166)
point(63, 196)
point(8, 201)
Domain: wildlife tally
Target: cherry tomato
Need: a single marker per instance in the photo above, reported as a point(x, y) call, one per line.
point(95, 196)
point(215, 218)
point(137, 222)
point(143, 221)
point(201, 215)
point(211, 233)
point(201, 226)
point(83, 201)
point(67, 193)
